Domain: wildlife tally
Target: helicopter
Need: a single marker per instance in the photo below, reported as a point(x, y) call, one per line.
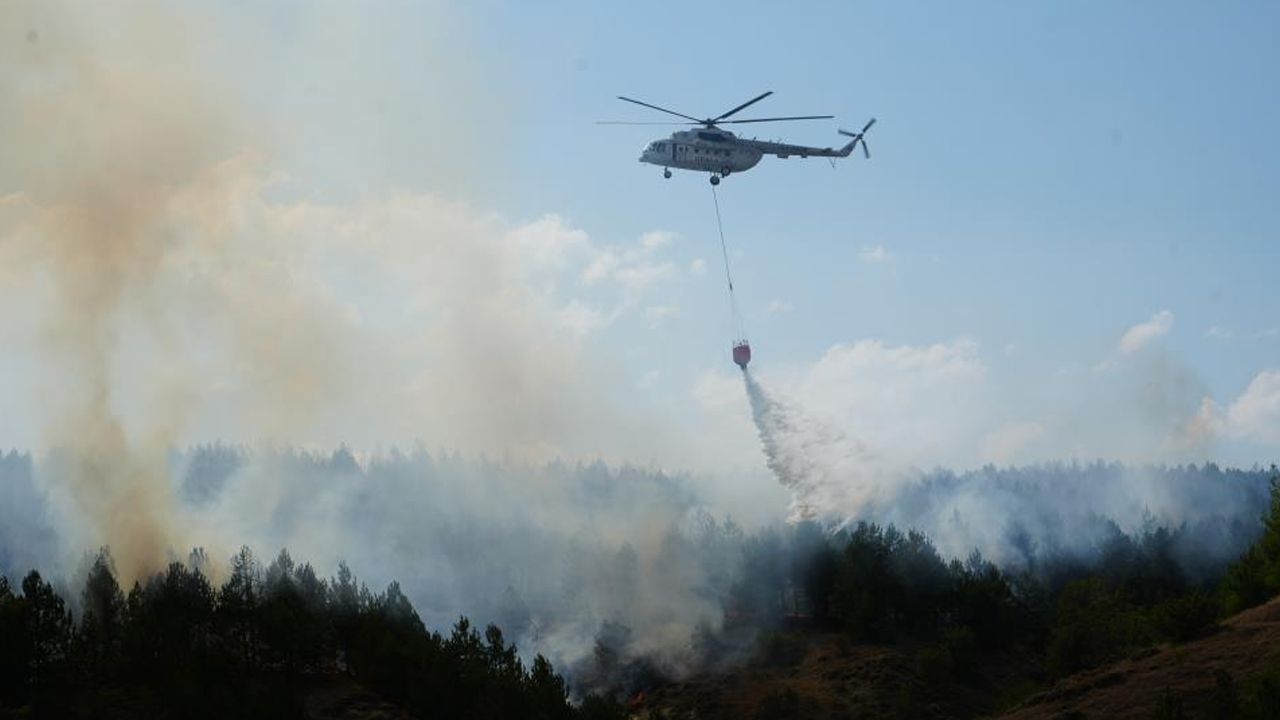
point(717, 151)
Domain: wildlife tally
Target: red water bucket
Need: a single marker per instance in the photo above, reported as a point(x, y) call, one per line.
point(741, 354)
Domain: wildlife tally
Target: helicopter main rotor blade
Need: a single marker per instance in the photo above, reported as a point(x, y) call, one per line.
point(743, 105)
point(655, 122)
point(662, 109)
point(796, 117)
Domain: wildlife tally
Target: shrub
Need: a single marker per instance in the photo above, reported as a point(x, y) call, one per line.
point(1093, 623)
point(1184, 618)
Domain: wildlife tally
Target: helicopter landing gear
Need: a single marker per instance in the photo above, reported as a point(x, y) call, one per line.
point(724, 172)
point(666, 173)
point(715, 179)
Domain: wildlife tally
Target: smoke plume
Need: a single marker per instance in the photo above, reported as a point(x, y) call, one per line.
point(97, 143)
point(165, 282)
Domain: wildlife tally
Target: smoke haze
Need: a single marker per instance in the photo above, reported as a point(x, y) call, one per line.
point(166, 282)
point(96, 144)
point(170, 289)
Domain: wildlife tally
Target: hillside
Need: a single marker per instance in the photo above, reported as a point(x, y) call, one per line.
point(1244, 646)
point(826, 676)
point(336, 697)
point(829, 677)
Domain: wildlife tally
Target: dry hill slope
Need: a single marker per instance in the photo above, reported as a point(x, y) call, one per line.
point(1133, 688)
point(824, 676)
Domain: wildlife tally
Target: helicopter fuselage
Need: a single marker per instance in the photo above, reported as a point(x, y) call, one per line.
point(711, 150)
point(720, 152)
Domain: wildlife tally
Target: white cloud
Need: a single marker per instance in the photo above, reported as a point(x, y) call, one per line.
point(1217, 332)
point(921, 403)
point(929, 405)
point(600, 267)
point(637, 278)
point(655, 239)
point(548, 246)
point(1255, 415)
point(874, 254)
point(1138, 336)
point(926, 364)
point(548, 243)
point(698, 267)
point(582, 319)
point(632, 270)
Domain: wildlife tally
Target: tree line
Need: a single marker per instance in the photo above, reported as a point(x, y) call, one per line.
point(178, 646)
point(1064, 614)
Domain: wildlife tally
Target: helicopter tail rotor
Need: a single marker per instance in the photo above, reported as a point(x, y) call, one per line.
point(858, 138)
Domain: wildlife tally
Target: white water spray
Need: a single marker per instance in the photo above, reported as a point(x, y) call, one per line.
point(827, 472)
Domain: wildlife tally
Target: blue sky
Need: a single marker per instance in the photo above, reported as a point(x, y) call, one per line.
point(1044, 179)
point(1044, 176)
point(1067, 167)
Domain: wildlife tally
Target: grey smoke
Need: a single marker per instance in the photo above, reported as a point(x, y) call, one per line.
point(551, 552)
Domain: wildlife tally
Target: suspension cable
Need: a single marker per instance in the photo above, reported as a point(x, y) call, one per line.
point(728, 276)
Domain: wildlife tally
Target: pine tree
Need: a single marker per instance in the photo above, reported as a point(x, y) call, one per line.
point(1255, 578)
